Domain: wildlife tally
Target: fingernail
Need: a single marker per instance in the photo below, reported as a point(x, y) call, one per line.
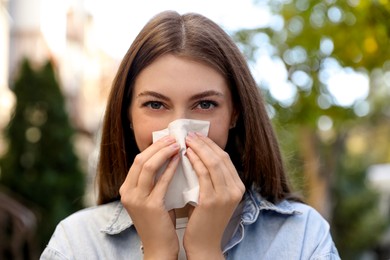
point(191, 135)
point(175, 146)
point(189, 150)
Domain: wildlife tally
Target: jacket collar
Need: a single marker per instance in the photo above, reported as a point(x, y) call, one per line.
point(254, 203)
point(119, 220)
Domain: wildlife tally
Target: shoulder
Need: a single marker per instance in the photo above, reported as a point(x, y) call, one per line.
point(307, 213)
point(84, 223)
point(288, 226)
point(90, 233)
point(295, 216)
point(307, 229)
point(293, 212)
point(96, 216)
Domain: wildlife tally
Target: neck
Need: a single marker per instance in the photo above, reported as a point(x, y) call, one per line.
point(182, 212)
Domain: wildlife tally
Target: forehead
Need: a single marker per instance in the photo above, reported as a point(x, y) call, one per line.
point(172, 73)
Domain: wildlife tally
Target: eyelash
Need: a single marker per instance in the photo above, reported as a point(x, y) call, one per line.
point(161, 104)
point(209, 102)
point(150, 103)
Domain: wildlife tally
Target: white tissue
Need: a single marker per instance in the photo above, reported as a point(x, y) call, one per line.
point(184, 187)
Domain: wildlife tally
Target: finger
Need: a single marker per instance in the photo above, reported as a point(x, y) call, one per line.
point(161, 187)
point(232, 180)
point(205, 183)
point(233, 174)
point(136, 168)
point(150, 168)
point(210, 159)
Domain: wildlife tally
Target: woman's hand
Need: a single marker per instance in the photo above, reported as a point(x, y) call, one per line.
point(220, 191)
point(143, 199)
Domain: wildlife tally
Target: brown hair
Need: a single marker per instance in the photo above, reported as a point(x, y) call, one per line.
point(252, 144)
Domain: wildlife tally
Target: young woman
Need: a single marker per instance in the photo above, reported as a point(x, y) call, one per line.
point(187, 67)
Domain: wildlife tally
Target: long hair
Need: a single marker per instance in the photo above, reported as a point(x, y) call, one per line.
point(252, 143)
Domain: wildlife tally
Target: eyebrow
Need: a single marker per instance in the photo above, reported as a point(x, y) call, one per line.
point(201, 95)
point(153, 94)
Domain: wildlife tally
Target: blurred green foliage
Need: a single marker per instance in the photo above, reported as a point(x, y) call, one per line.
point(40, 165)
point(306, 36)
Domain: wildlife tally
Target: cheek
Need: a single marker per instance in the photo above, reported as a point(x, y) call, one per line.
point(219, 134)
point(143, 132)
point(143, 138)
point(143, 129)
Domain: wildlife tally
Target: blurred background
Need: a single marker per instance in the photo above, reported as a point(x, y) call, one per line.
point(323, 66)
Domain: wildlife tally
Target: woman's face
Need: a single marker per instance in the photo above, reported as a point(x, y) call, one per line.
point(177, 88)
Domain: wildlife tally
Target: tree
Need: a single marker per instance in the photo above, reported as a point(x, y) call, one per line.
point(40, 165)
point(317, 132)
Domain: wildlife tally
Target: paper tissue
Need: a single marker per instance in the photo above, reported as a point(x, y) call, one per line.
point(184, 187)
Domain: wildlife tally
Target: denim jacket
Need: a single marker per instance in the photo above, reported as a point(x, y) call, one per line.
point(287, 230)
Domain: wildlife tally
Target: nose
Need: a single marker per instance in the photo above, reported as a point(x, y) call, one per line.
point(180, 114)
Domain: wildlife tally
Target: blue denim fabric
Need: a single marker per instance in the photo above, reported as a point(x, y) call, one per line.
point(287, 230)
